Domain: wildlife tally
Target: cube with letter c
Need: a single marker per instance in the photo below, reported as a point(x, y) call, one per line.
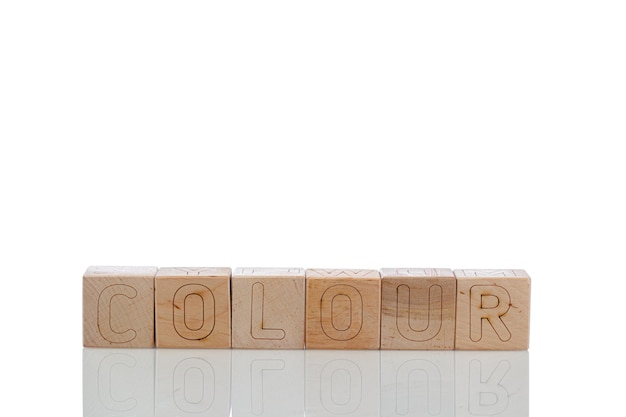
point(118, 306)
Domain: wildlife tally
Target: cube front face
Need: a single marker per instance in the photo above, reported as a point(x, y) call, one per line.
point(342, 309)
point(268, 308)
point(418, 308)
point(193, 307)
point(493, 309)
point(118, 307)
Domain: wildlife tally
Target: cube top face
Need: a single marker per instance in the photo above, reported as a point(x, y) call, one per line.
point(342, 273)
point(194, 272)
point(120, 271)
point(418, 308)
point(193, 307)
point(269, 272)
point(491, 273)
point(343, 309)
point(415, 272)
point(493, 309)
point(118, 307)
point(268, 308)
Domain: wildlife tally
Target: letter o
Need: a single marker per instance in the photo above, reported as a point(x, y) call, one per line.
point(183, 318)
point(355, 313)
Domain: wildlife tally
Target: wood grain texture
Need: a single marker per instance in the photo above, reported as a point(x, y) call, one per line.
point(118, 306)
point(493, 309)
point(193, 307)
point(342, 309)
point(418, 309)
point(268, 308)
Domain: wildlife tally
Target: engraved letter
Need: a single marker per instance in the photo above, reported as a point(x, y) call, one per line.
point(257, 330)
point(488, 302)
point(104, 313)
point(194, 322)
point(426, 311)
point(334, 301)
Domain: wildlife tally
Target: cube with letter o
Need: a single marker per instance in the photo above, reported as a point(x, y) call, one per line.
point(342, 309)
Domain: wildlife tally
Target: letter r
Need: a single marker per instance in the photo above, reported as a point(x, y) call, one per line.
point(490, 303)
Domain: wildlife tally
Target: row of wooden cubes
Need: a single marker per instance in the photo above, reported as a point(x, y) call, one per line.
point(290, 308)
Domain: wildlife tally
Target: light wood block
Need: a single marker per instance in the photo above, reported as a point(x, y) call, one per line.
point(342, 309)
point(268, 308)
point(193, 307)
point(118, 306)
point(493, 309)
point(418, 309)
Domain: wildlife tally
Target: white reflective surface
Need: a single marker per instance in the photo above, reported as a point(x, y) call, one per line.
point(246, 383)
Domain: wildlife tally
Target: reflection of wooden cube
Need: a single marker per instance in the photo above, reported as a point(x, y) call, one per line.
point(493, 309)
point(190, 382)
point(500, 376)
point(417, 383)
point(342, 384)
point(193, 307)
point(118, 306)
point(268, 308)
point(418, 308)
point(342, 309)
point(266, 383)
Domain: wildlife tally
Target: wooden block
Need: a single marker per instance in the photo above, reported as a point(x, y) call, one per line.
point(342, 309)
point(418, 309)
point(493, 309)
point(193, 307)
point(118, 306)
point(268, 308)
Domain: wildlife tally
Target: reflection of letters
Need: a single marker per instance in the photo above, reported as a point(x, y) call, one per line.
point(194, 385)
point(423, 388)
point(257, 329)
point(487, 396)
point(121, 382)
point(106, 373)
point(192, 382)
point(341, 386)
point(489, 302)
point(257, 367)
point(105, 299)
point(426, 312)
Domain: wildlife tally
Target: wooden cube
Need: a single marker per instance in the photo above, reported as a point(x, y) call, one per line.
point(493, 309)
point(342, 309)
point(118, 306)
point(193, 307)
point(418, 309)
point(268, 308)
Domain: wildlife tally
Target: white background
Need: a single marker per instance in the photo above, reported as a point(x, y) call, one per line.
point(315, 134)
